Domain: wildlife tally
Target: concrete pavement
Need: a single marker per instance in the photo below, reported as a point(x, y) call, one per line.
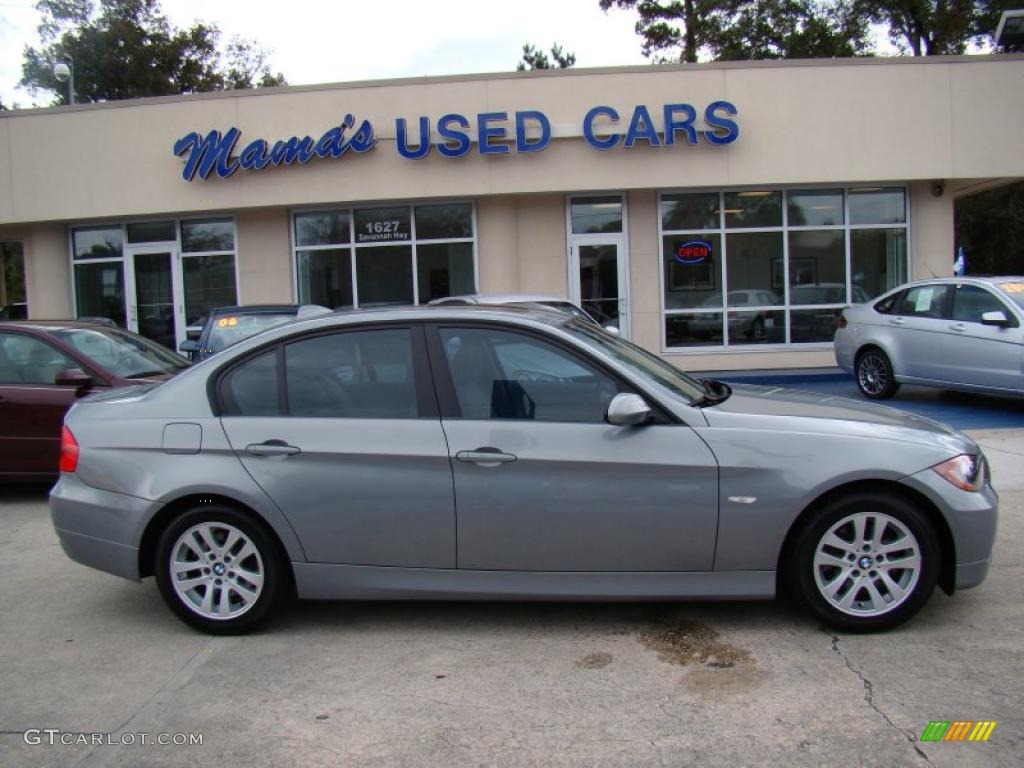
point(504, 684)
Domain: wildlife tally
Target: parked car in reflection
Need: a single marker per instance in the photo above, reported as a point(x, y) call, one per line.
point(749, 325)
point(559, 303)
point(46, 366)
point(225, 326)
point(329, 456)
point(17, 311)
point(961, 333)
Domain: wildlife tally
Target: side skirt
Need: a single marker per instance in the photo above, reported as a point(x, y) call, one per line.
point(323, 581)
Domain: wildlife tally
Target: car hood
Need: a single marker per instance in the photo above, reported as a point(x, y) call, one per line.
point(759, 407)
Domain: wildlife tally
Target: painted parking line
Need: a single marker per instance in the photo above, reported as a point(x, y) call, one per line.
point(957, 409)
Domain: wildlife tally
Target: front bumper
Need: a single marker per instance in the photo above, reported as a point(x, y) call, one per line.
point(99, 528)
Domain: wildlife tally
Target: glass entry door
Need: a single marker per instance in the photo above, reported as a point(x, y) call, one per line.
point(599, 281)
point(155, 310)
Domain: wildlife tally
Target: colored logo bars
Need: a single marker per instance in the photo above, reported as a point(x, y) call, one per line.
point(958, 730)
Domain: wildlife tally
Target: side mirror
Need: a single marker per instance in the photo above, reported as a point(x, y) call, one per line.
point(189, 346)
point(626, 410)
point(72, 377)
point(996, 317)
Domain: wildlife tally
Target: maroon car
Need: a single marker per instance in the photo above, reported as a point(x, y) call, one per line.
point(45, 365)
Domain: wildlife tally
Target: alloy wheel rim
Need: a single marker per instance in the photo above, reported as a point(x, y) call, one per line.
point(216, 571)
point(867, 564)
point(873, 374)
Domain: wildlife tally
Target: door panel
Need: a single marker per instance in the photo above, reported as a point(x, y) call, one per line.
point(584, 497)
point(359, 491)
point(916, 328)
point(982, 355)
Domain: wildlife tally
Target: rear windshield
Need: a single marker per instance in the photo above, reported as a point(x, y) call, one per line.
point(231, 329)
point(123, 354)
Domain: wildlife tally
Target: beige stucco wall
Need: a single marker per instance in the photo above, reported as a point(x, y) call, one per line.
point(264, 257)
point(47, 269)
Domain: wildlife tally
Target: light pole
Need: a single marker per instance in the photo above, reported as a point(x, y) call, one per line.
point(65, 70)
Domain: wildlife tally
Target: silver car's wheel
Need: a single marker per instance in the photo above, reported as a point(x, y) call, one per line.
point(867, 564)
point(220, 570)
point(216, 571)
point(875, 377)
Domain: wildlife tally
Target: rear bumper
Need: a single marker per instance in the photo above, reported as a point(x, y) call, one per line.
point(98, 528)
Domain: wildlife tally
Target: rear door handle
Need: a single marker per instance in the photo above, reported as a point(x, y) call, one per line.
point(272, 448)
point(896, 321)
point(486, 457)
point(958, 327)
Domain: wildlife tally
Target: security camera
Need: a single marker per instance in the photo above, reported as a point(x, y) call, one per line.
point(938, 188)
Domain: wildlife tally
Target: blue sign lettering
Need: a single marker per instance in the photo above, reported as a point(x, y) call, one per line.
point(461, 138)
point(732, 130)
point(588, 127)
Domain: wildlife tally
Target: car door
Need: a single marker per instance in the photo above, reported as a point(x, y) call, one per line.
point(341, 430)
point(916, 328)
point(544, 483)
point(32, 405)
point(981, 355)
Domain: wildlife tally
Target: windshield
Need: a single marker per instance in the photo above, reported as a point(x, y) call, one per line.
point(231, 329)
point(123, 354)
point(638, 361)
point(1015, 290)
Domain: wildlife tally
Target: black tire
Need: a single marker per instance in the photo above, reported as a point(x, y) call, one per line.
point(265, 561)
point(875, 376)
point(864, 614)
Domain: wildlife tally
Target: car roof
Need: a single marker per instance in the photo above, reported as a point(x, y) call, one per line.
point(54, 325)
point(253, 309)
point(507, 298)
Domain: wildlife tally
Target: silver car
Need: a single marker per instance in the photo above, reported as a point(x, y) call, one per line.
point(492, 453)
point(958, 333)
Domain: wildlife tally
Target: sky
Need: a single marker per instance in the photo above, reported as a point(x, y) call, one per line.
point(323, 41)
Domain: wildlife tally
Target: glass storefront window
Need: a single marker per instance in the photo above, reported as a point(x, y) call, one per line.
point(209, 283)
point(99, 290)
point(444, 269)
point(12, 281)
point(690, 211)
point(596, 215)
point(384, 276)
point(402, 254)
point(326, 228)
point(325, 277)
point(151, 232)
point(198, 236)
point(753, 208)
point(877, 205)
point(815, 208)
point(752, 276)
point(444, 222)
point(98, 243)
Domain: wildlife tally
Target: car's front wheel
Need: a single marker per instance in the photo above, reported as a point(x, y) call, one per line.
point(866, 563)
point(875, 376)
point(218, 571)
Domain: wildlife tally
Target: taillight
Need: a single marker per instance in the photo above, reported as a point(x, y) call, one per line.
point(68, 451)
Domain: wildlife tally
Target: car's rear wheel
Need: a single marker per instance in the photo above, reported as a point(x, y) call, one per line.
point(866, 563)
point(875, 376)
point(218, 571)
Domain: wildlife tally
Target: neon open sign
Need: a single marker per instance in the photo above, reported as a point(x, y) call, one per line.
point(693, 252)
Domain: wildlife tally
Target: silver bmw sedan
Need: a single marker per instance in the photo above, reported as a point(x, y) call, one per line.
point(495, 453)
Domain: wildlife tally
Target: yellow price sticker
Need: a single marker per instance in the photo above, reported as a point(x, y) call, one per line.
point(1012, 287)
point(224, 322)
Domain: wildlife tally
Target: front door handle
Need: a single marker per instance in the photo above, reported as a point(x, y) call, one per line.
point(272, 448)
point(897, 321)
point(485, 457)
point(958, 327)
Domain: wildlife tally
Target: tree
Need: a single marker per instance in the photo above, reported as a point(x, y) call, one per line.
point(126, 49)
point(534, 58)
point(932, 27)
point(747, 29)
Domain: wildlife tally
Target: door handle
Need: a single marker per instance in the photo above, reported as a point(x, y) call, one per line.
point(897, 321)
point(958, 327)
point(272, 448)
point(486, 457)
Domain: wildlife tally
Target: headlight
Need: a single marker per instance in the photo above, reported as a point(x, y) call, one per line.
point(966, 472)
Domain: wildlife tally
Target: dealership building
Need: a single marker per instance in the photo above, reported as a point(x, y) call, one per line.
point(718, 214)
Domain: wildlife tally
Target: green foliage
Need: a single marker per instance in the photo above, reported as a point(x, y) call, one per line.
point(934, 27)
point(990, 227)
point(123, 49)
point(534, 58)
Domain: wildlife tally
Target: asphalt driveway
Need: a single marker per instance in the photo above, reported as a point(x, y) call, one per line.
point(600, 684)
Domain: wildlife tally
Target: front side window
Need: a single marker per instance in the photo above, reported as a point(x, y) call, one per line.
point(504, 375)
point(352, 374)
point(775, 267)
point(970, 302)
point(25, 360)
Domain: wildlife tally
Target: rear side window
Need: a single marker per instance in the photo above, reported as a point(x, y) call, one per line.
point(888, 305)
point(924, 301)
point(352, 374)
point(970, 302)
point(252, 389)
